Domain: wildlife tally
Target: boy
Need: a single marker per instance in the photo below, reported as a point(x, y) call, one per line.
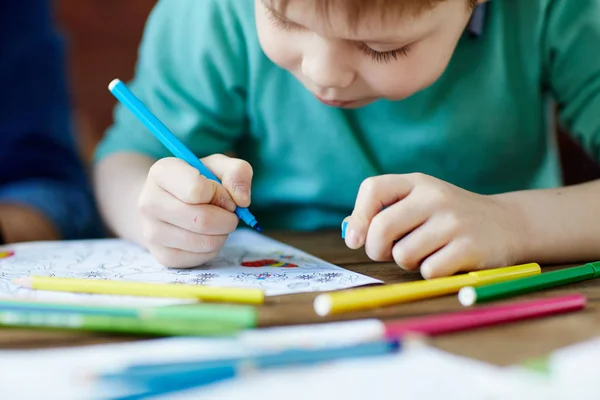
point(44, 191)
point(424, 132)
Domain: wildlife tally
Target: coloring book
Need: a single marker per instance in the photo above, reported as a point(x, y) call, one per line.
point(248, 259)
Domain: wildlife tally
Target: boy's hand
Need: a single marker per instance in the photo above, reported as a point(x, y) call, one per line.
point(186, 217)
point(431, 224)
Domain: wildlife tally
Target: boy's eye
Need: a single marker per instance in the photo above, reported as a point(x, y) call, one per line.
point(384, 56)
point(282, 23)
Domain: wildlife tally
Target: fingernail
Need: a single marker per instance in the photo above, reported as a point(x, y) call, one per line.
point(344, 226)
point(242, 192)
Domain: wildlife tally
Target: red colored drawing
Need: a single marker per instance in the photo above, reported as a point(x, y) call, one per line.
point(268, 263)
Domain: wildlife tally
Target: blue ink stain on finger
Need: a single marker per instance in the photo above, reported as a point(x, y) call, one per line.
point(344, 226)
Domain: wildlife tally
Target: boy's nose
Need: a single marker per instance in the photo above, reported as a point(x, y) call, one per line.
point(327, 68)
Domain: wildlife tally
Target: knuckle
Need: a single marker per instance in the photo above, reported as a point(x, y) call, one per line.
point(216, 158)
point(380, 233)
point(162, 166)
point(453, 223)
point(195, 187)
point(208, 244)
point(382, 228)
point(243, 165)
point(420, 177)
point(438, 197)
point(468, 244)
point(156, 168)
point(369, 186)
point(229, 223)
point(163, 256)
point(145, 205)
point(151, 233)
point(201, 218)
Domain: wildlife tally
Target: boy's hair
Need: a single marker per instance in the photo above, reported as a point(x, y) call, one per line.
point(353, 9)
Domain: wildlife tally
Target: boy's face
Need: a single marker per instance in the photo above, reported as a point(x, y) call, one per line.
point(345, 67)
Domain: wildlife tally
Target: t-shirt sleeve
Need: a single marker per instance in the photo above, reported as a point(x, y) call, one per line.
point(191, 73)
point(572, 44)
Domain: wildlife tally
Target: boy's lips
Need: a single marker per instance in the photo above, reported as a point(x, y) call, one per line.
point(335, 103)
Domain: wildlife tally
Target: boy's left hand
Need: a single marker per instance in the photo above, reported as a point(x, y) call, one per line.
point(420, 221)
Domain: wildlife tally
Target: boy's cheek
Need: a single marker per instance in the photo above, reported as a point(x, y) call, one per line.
point(278, 49)
point(278, 46)
point(400, 82)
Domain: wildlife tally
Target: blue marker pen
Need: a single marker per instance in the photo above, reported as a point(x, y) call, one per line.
point(166, 378)
point(169, 140)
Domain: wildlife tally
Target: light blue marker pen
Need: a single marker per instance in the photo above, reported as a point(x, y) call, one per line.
point(169, 140)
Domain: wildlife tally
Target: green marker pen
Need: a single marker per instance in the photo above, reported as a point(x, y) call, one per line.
point(220, 314)
point(469, 295)
point(106, 323)
point(238, 316)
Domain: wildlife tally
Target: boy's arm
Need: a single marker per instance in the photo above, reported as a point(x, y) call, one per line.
point(558, 225)
point(118, 181)
point(44, 192)
point(191, 73)
point(563, 225)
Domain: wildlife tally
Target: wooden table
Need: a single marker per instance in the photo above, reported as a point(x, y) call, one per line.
point(501, 345)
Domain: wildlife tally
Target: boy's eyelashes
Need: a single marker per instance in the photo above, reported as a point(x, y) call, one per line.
point(380, 57)
point(282, 23)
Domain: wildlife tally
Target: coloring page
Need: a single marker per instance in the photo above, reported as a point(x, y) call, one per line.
point(248, 259)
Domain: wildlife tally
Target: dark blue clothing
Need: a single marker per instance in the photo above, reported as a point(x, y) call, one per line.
point(39, 162)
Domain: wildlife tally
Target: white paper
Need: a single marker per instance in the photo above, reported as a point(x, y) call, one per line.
point(574, 370)
point(290, 271)
point(419, 372)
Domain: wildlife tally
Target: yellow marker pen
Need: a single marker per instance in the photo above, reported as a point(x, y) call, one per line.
point(373, 297)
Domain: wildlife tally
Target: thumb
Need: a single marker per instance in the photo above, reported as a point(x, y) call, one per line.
point(235, 175)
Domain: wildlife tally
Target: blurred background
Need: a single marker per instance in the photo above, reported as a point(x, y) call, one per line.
point(102, 37)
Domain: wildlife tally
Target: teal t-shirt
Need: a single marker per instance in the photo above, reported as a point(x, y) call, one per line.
point(485, 125)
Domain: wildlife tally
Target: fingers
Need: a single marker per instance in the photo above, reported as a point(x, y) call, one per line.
point(392, 224)
point(186, 183)
point(373, 195)
point(175, 258)
point(186, 217)
point(235, 175)
point(158, 205)
point(428, 238)
point(449, 260)
point(167, 235)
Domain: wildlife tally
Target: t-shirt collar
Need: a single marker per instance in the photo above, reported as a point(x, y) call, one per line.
point(477, 22)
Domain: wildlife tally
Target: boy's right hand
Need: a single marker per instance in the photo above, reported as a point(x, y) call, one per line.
point(186, 217)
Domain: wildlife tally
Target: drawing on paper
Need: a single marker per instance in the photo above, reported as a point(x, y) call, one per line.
point(268, 263)
point(248, 259)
